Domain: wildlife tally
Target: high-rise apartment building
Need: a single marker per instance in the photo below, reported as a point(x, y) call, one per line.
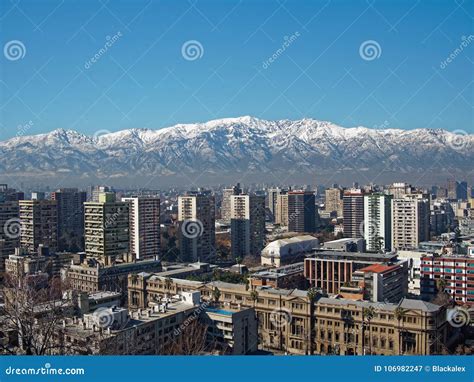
point(333, 202)
point(247, 225)
point(227, 193)
point(353, 213)
point(70, 212)
point(410, 221)
point(281, 213)
point(144, 226)
point(272, 200)
point(452, 187)
point(39, 224)
point(378, 222)
point(301, 211)
point(456, 273)
point(106, 228)
point(196, 216)
point(9, 230)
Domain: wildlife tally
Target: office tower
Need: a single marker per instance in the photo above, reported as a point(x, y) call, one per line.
point(226, 196)
point(96, 191)
point(144, 226)
point(333, 202)
point(70, 214)
point(9, 230)
point(247, 225)
point(461, 190)
point(39, 224)
point(281, 213)
point(106, 228)
point(410, 222)
point(301, 211)
point(196, 216)
point(378, 222)
point(353, 213)
point(272, 200)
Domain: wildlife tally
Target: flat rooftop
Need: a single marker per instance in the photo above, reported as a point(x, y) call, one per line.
point(337, 255)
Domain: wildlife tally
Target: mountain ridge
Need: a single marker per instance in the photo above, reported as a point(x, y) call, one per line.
point(238, 145)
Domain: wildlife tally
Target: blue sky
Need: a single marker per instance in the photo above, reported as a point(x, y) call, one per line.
point(144, 81)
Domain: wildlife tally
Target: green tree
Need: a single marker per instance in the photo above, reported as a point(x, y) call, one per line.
point(400, 314)
point(367, 316)
point(312, 294)
point(216, 294)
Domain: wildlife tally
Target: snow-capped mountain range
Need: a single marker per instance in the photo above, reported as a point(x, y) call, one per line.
point(238, 146)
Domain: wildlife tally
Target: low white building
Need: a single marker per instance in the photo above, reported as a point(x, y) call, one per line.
point(285, 251)
point(414, 269)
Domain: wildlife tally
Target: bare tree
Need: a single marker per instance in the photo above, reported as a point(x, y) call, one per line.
point(34, 310)
point(191, 340)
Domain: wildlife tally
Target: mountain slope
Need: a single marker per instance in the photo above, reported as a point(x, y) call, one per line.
point(238, 145)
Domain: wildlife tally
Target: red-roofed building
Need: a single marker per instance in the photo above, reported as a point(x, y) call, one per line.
point(381, 282)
